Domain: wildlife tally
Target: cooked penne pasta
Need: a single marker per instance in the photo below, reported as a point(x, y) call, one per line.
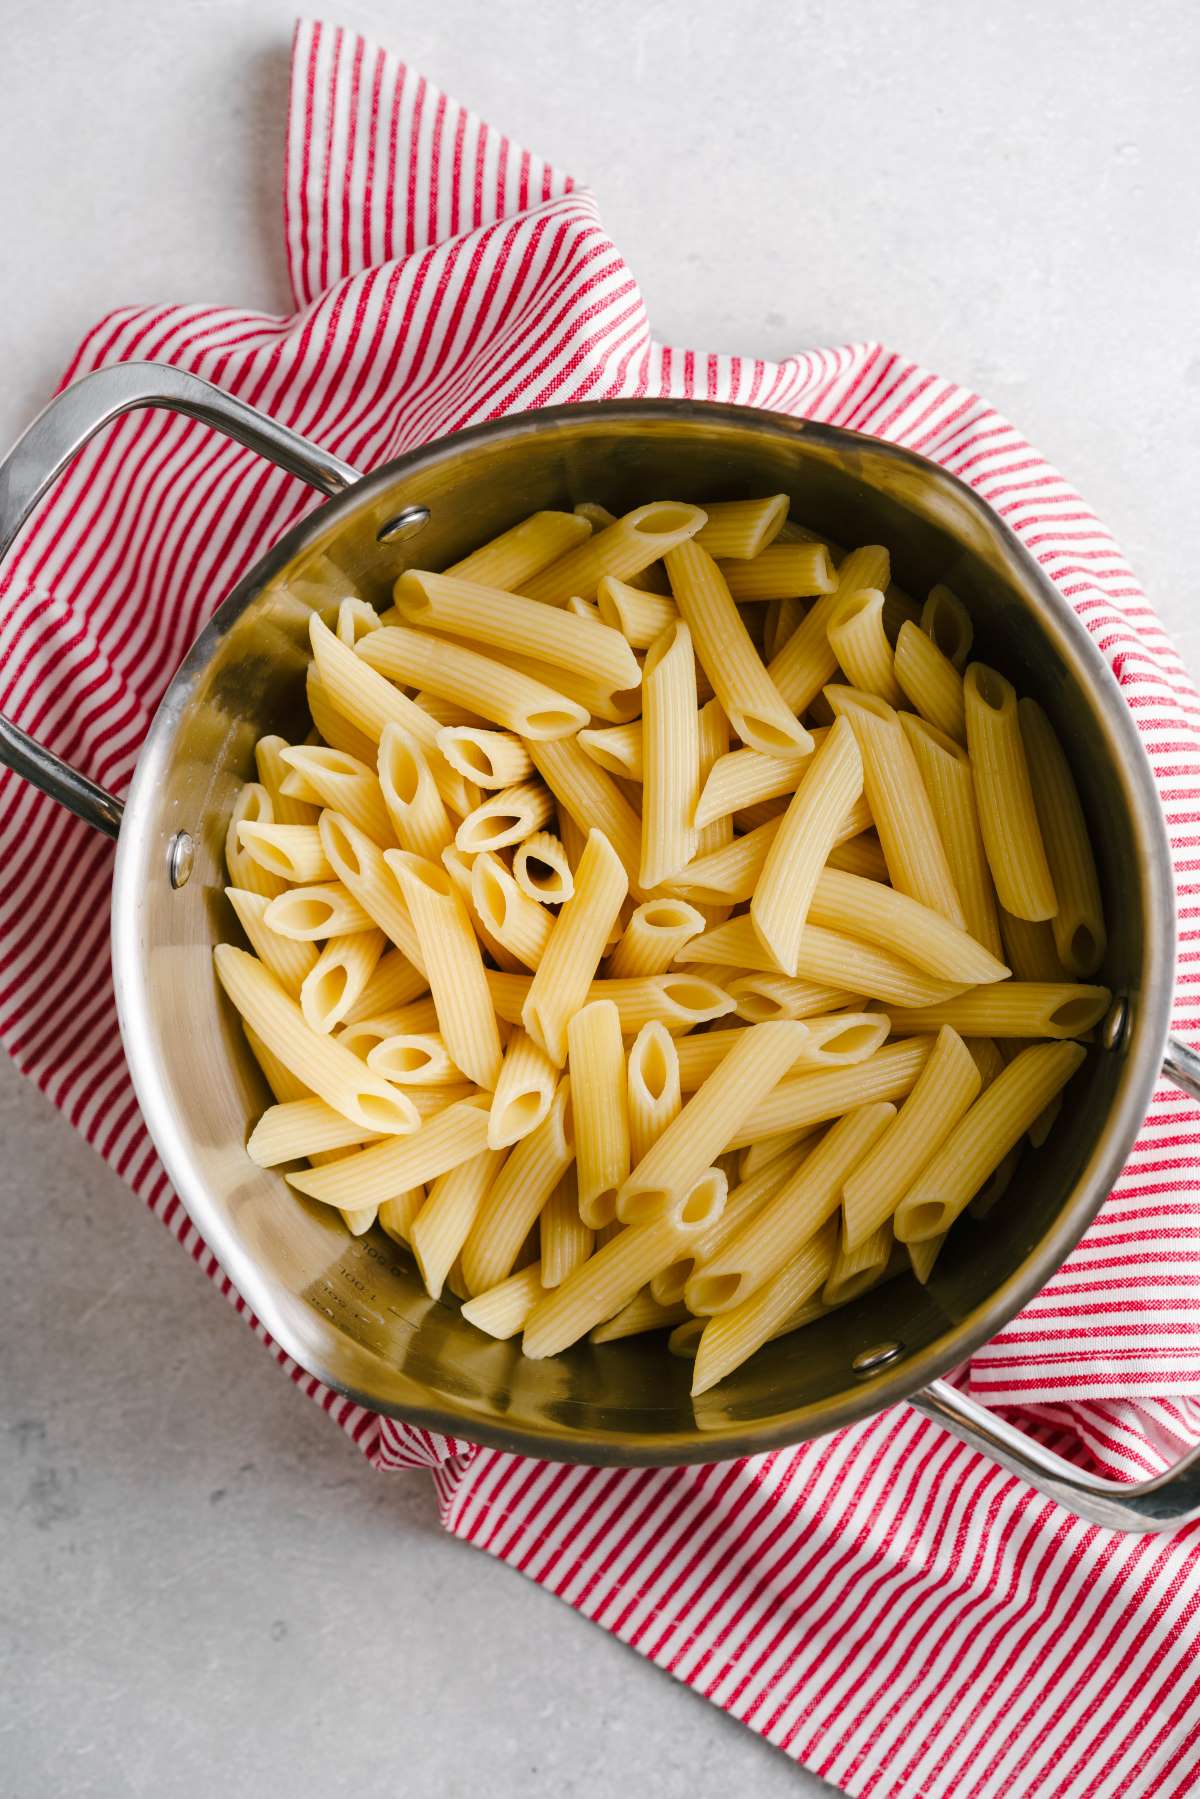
point(290, 962)
point(334, 727)
point(801, 668)
point(860, 643)
point(813, 1097)
point(273, 771)
point(299, 1128)
point(827, 958)
point(930, 682)
point(782, 571)
point(855, 1271)
point(510, 559)
point(362, 1034)
point(591, 799)
point(642, 1314)
point(344, 784)
point(744, 1202)
point(639, 616)
point(1008, 817)
point(531, 708)
point(358, 863)
point(617, 749)
point(505, 818)
point(742, 778)
point(252, 806)
point(292, 852)
point(596, 1058)
point(445, 714)
point(1058, 1009)
point(414, 1059)
point(541, 868)
point(801, 845)
point(377, 1173)
point(355, 617)
point(442, 1224)
point(527, 1083)
point(1078, 925)
point(671, 749)
point(677, 1001)
point(564, 1239)
point(845, 902)
point(511, 1206)
point(742, 528)
point(1030, 948)
point(923, 1255)
point(730, 1338)
point(599, 699)
point(761, 996)
point(395, 982)
point(623, 549)
point(860, 856)
point(489, 758)
point(948, 623)
point(451, 955)
point(502, 1311)
point(980, 1141)
point(460, 868)
point(416, 812)
point(572, 955)
point(338, 977)
point(899, 805)
point(657, 929)
point(949, 1083)
point(325, 1067)
point(749, 698)
point(396, 1215)
point(309, 914)
point(652, 1074)
point(510, 916)
point(945, 771)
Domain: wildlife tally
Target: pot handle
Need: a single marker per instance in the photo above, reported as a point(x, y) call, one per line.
point(1168, 1501)
point(53, 440)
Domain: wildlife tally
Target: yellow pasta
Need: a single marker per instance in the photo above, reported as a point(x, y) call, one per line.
point(418, 817)
point(338, 977)
point(742, 778)
point(445, 714)
point(709, 1120)
point(334, 727)
point(781, 572)
point(799, 848)
point(899, 805)
point(624, 549)
point(599, 699)
point(452, 960)
point(355, 617)
point(801, 668)
point(509, 915)
point(617, 749)
point(509, 560)
point(1004, 793)
point(598, 1086)
point(642, 1314)
point(883, 916)
point(290, 962)
point(502, 1311)
point(363, 1033)
point(504, 818)
point(923, 1255)
point(678, 1001)
point(813, 1097)
point(653, 1090)
point(1012, 1009)
point(273, 771)
point(639, 616)
point(325, 1067)
point(511, 1206)
point(395, 982)
point(657, 929)
point(859, 641)
point(358, 864)
point(856, 1271)
point(300, 1128)
point(761, 996)
point(372, 1175)
point(948, 623)
point(308, 914)
point(489, 758)
point(542, 870)
point(930, 682)
point(671, 748)
point(1030, 948)
point(1079, 933)
point(532, 708)
point(591, 799)
point(524, 1091)
point(396, 1215)
point(980, 1141)
point(729, 1339)
point(443, 1222)
point(292, 852)
point(572, 955)
point(742, 528)
point(252, 806)
point(414, 1059)
point(344, 784)
point(827, 958)
point(749, 698)
point(948, 1084)
point(745, 1201)
point(860, 856)
point(945, 771)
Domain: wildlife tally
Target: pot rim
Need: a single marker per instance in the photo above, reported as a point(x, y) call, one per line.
point(864, 1395)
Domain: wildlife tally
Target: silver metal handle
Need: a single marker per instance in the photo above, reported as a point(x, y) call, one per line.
point(1166, 1502)
point(54, 439)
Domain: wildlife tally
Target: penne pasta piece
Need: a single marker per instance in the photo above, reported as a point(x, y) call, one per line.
point(1079, 933)
point(947, 1086)
point(502, 1311)
point(309, 914)
point(617, 749)
point(429, 1101)
point(783, 571)
point(363, 1034)
point(947, 622)
point(396, 1216)
point(745, 1201)
point(450, 953)
point(813, 1097)
point(923, 1255)
point(807, 1200)
point(299, 1128)
point(597, 516)
point(273, 771)
point(509, 560)
point(596, 1058)
point(1057, 1009)
point(524, 1091)
point(757, 1155)
point(591, 799)
point(445, 714)
point(741, 529)
point(795, 861)
point(416, 812)
point(930, 682)
point(326, 1068)
point(443, 1223)
point(290, 962)
point(414, 1059)
point(806, 662)
point(459, 867)
point(657, 929)
point(759, 997)
point(684, 1340)
point(355, 618)
point(945, 771)
point(1030, 948)
point(677, 1001)
point(338, 977)
point(608, 1280)
point(729, 874)
point(531, 708)
point(827, 958)
point(570, 959)
point(488, 758)
point(574, 837)
point(541, 869)
point(652, 1076)
point(639, 616)
point(743, 778)
point(749, 698)
point(642, 1314)
point(510, 916)
point(985, 1053)
point(359, 1223)
point(728, 1340)
point(671, 750)
point(384, 1169)
point(708, 1120)
point(623, 549)
point(712, 729)
point(563, 1238)
point(860, 856)
point(511, 1205)
point(979, 1142)
point(337, 730)
point(345, 785)
point(867, 909)
point(599, 699)
point(899, 804)
point(395, 982)
point(488, 615)
point(1008, 817)
point(860, 643)
point(358, 863)
point(855, 1271)
point(505, 818)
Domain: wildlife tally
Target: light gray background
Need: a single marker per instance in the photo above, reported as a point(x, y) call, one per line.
point(204, 1587)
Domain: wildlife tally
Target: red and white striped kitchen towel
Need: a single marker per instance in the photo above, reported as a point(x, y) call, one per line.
point(884, 1605)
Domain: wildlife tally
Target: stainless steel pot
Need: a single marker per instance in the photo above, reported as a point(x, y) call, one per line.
point(350, 1310)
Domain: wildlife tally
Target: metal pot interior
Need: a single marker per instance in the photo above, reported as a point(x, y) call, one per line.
point(352, 1311)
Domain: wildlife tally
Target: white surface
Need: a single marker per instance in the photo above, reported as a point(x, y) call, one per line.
point(205, 1588)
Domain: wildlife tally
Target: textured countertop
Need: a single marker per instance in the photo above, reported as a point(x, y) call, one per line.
point(205, 1588)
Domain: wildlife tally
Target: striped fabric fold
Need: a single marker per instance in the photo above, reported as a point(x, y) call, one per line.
point(883, 1605)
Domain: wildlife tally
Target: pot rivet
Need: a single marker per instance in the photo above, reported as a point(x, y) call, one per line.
point(868, 1360)
point(181, 859)
point(1112, 1026)
point(405, 524)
